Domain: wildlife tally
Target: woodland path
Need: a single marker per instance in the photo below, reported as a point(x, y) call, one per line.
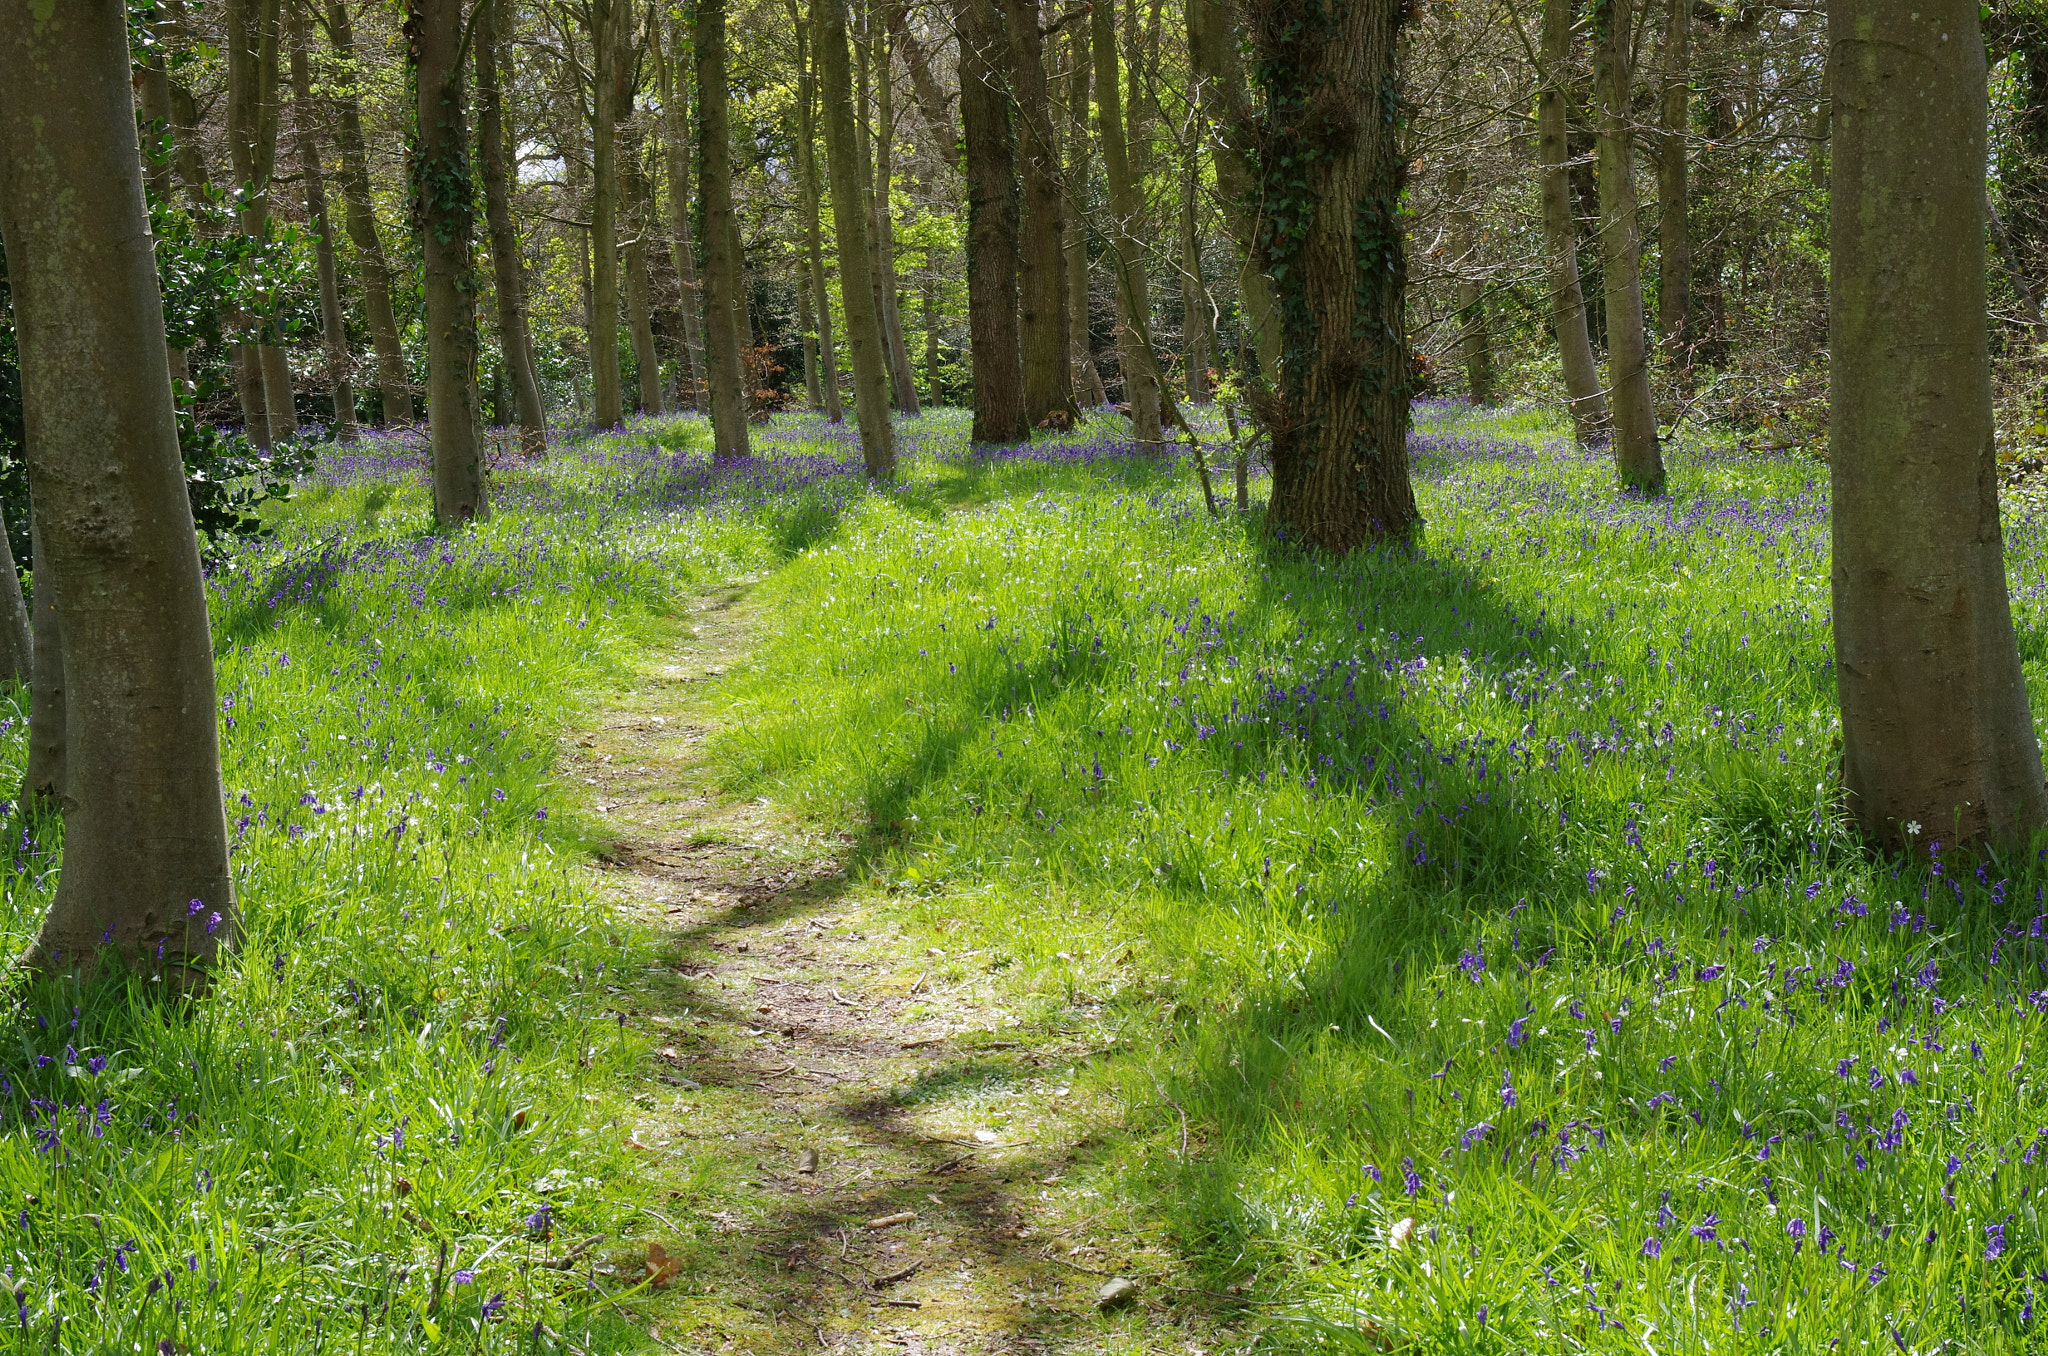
point(793, 1015)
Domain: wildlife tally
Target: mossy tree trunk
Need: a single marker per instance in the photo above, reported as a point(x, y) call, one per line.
point(850, 225)
point(508, 269)
point(1638, 461)
point(989, 155)
point(725, 377)
point(448, 230)
point(1475, 334)
point(1560, 229)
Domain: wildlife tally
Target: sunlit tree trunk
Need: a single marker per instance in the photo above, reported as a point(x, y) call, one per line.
point(882, 242)
point(394, 392)
point(1127, 259)
point(448, 228)
point(508, 269)
point(725, 376)
point(814, 239)
point(1674, 211)
point(1637, 458)
point(850, 223)
point(145, 841)
point(608, 19)
point(989, 156)
point(1041, 260)
point(1937, 740)
point(1475, 338)
point(1087, 381)
point(1560, 231)
point(682, 252)
point(333, 331)
point(1221, 95)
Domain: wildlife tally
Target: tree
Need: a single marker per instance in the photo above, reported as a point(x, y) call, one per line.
point(1674, 208)
point(333, 325)
point(1142, 390)
point(989, 157)
point(850, 223)
point(609, 22)
point(1560, 232)
point(814, 242)
point(448, 228)
point(1041, 272)
point(1636, 456)
point(508, 273)
point(721, 241)
point(1937, 740)
point(252, 52)
point(1331, 172)
point(373, 272)
point(145, 840)
point(682, 251)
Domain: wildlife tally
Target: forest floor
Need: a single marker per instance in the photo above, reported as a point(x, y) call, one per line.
point(882, 1160)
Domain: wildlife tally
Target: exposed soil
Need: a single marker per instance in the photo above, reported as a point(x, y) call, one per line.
point(893, 1160)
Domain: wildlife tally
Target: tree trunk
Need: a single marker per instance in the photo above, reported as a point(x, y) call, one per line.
point(508, 271)
point(1475, 340)
point(143, 826)
point(1937, 741)
point(448, 229)
point(814, 242)
point(251, 33)
point(394, 392)
point(1041, 261)
point(850, 221)
point(807, 321)
point(1141, 376)
point(1213, 52)
point(1674, 212)
point(675, 143)
point(333, 325)
point(1087, 381)
point(43, 785)
point(990, 166)
point(1194, 295)
point(1560, 231)
point(608, 18)
point(639, 195)
point(1637, 459)
point(1334, 249)
point(930, 298)
point(721, 241)
point(901, 380)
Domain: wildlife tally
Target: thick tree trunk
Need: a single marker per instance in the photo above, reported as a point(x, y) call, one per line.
point(394, 392)
point(990, 165)
point(850, 222)
point(1221, 96)
point(508, 271)
point(333, 325)
point(814, 241)
point(1560, 231)
point(608, 18)
point(1087, 381)
point(726, 377)
point(42, 785)
point(1475, 339)
point(682, 253)
point(901, 379)
point(1937, 741)
point(639, 196)
point(1674, 210)
point(1041, 260)
point(1334, 248)
point(448, 224)
point(144, 831)
point(1127, 259)
point(1637, 459)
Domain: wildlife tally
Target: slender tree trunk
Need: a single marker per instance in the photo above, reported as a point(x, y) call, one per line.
point(639, 196)
point(814, 242)
point(448, 229)
point(1141, 376)
point(675, 147)
point(394, 392)
point(2015, 272)
point(850, 222)
point(1194, 296)
point(901, 379)
point(721, 240)
point(990, 166)
point(807, 320)
point(1340, 433)
point(1475, 340)
point(1637, 459)
point(144, 831)
point(333, 331)
point(1087, 381)
point(608, 18)
point(1674, 211)
point(1937, 741)
point(252, 108)
point(1221, 96)
point(930, 297)
point(508, 271)
point(1041, 261)
point(1560, 232)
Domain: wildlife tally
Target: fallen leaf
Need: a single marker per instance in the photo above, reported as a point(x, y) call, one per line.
point(807, 1161)
point(661, 1268)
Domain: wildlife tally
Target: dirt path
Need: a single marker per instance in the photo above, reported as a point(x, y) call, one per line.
point(872, 1151)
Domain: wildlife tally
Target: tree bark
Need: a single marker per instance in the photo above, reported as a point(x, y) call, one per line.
point(814, 242)
point(850, 222)
point(1140, 371)
point(448, 230)
point(639, 196)
point(608, 18)
point(683, 254)
point(1674, 210)
point(1637, 459)
point(1937, 741)
point(1588, 402)
point(1194, 294)
point(252, 117)
point(902, 382)
point(1087, 380)
point(1041, 260)
point(508, 271)
point(990, 166)
point(43, 785)
point(333, 326)
point(807, 321)
point(1334, 249)
point(721, 240)
point(394, 392)
point(1475, 339)
point(1221, 96)
point(144, 831)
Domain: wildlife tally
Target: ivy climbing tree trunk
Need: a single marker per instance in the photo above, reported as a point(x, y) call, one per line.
point(508, 270)
point(145, 872)
point(394, 392)
point(333, 324)
point(726, 378)
point(1937, 740)
point(989, 157)
point(1560, 231)
point(448, 228)
point(1041, 262)
point(1332, 244)
point(1637, 459)
point(850, 223)
point(1140, 368)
